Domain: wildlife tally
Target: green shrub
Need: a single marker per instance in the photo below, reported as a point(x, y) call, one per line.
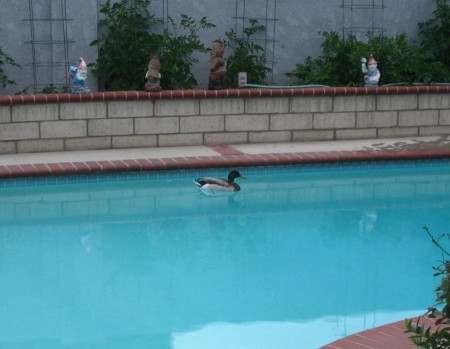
point(124, 48)
point(247, 56)
point(128, 43)
point(339, 63)
point(399, 61)
point(435, 33)
point(177, 45)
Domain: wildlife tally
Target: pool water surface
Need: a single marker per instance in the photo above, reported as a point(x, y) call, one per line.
point(300, 257)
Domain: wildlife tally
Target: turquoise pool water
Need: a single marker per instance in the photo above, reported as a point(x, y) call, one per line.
point(300, 257)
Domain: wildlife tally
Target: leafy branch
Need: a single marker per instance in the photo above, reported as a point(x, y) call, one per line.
point(390, 52)
point(177, 45)
point(6, 60)
point(438, 337)
point(248, 56)
point(124, 47)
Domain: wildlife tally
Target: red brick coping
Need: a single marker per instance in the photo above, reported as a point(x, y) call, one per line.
point(389, 336)
point(228, 157)
point(229, 93)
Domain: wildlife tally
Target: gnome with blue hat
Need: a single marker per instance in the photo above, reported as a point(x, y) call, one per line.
point(78, 76)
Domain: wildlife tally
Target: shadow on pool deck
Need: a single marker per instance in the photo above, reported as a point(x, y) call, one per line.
point(245, 155)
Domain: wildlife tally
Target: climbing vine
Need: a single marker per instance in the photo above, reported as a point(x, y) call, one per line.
point(6, 60)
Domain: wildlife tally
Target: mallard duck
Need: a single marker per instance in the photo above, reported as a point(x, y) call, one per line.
point(221, 184)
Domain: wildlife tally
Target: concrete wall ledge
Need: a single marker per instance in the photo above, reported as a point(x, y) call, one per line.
point(136, 119)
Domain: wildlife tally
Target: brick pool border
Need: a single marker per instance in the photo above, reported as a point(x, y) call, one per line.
point(228, 157)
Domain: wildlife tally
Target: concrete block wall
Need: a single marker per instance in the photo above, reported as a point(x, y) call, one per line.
point(44, 123)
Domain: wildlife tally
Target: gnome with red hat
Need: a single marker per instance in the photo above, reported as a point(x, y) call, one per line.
point(78, 76)
point(372, 74)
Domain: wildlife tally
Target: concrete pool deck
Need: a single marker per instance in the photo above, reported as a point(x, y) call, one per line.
point(244, 155)
point(172, 158)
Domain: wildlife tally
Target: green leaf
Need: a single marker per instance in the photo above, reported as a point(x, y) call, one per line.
point(247, 56)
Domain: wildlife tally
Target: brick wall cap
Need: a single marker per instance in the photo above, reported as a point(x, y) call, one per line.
point(228, 93)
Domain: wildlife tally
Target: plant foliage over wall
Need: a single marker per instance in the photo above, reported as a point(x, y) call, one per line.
point(124, 46)
point(128, 43)
point(439, 338)
point(247, 56)
point(177, 44)
point(129, 39)
point(400, 60)
point(435, 33)
point(5, 60)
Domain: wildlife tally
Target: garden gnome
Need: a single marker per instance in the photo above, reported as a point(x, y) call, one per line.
point(78, 76)
point(372, 74)
point(217, 66)
point(153, 75)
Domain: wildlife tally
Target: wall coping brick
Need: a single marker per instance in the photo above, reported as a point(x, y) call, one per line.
point(229, 93)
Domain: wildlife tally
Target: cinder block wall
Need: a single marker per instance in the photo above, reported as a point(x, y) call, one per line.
point(45, 123)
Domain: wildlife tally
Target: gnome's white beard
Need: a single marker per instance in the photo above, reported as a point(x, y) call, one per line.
point(81, 74)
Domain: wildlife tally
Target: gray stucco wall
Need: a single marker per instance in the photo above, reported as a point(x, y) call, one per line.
point(295, 33)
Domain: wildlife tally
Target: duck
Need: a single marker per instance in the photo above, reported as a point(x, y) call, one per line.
point(221, 184)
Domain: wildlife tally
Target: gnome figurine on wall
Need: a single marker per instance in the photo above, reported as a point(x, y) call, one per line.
point(78, 76)
point(372, 74)
point(153, 75)
point(217, 66)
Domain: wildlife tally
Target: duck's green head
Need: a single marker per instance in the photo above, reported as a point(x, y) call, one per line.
point(233, 175)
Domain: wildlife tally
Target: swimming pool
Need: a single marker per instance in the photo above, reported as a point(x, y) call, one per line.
point(302, 256)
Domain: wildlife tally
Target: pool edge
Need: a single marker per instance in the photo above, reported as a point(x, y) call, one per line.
point(387, 336)
point(226, 159)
